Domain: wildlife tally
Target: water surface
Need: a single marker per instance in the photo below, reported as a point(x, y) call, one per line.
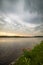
point(11, 48)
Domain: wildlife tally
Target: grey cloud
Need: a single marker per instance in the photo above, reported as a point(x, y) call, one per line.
point(21, 8)
point(5, 5)
point(10, 5)
point(29, 5)
point(34, 5)
point(40, 28)
point(37, 20)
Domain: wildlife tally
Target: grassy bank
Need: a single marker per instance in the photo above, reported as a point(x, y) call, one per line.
point(32, 57)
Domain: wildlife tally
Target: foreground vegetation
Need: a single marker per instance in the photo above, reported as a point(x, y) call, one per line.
point(32, 57)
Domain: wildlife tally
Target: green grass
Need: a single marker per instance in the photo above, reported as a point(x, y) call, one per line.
point(32, 57)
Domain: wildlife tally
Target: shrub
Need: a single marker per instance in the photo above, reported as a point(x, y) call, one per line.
point(32, 57)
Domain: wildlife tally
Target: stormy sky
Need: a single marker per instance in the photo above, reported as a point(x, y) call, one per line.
point(21, 16)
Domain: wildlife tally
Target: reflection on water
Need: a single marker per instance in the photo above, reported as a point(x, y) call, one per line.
point(10, 48)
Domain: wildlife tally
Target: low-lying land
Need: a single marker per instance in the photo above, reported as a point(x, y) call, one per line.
point(21, 36)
